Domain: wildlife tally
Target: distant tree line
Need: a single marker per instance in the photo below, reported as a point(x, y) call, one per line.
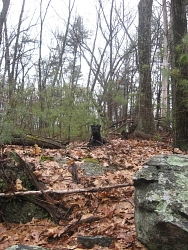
point(56, 82)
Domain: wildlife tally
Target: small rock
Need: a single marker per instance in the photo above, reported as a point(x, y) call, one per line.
point(89, 242)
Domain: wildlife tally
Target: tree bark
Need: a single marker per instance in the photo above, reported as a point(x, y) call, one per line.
point(146, 120)
point(180, 107)
point(3, 15)
point(16, 46)
point(165, 64)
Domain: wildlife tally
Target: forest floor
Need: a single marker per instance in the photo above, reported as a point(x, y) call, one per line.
point(109, 212)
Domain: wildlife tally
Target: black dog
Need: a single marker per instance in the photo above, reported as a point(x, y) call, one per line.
point(96, 138)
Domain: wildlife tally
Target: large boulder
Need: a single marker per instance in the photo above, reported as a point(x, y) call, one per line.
point(161, 203)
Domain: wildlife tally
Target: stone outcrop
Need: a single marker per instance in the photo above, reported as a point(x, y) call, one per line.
point(161, 203)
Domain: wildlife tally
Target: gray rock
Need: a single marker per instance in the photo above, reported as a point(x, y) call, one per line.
point(24, 247)
point(161, 203)
point(16, 211)
point(92, 169)
point(89, 242)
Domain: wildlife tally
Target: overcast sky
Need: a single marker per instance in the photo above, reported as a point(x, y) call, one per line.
point(57, 15)
point(57, 11)
point(85, 8)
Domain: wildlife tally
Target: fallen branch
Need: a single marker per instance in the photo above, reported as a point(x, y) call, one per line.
point(25, 165)
point(77, 222)
point(67, 191)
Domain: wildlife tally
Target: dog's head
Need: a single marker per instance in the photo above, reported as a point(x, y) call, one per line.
point(95, 129)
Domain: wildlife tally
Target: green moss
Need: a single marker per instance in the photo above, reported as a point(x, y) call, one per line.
point(27, 183)
point(17, 211)
point(46, 158)
point(90, 160)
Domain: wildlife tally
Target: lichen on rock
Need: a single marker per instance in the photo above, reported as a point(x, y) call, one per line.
point(161, 203)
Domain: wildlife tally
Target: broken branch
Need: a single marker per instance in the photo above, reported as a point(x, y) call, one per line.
point(67, 191)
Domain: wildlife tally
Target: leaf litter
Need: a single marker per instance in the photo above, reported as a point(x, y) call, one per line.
point(109, 212)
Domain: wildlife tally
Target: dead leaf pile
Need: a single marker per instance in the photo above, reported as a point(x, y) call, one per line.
point(109, 212)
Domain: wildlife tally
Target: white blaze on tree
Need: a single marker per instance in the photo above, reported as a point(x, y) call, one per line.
point(165, 63)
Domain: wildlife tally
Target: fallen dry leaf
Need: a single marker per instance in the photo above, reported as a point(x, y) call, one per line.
point(114, 207)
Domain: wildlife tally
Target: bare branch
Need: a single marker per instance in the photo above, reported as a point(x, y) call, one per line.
point(67, 191)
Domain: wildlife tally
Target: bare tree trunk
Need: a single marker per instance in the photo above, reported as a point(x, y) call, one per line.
point(180, 108)
point(90, 63)
point(11, 72)
point(16, 43)
point(146, 120)
point(164, 101)
point(60, 62)
point(3, 15)
point(41, 84)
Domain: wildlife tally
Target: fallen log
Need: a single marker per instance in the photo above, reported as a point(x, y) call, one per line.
point(31, 140)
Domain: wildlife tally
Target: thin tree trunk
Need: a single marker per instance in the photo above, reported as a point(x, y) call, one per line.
point(16, 43)
point(60, 62)
point(41, 84)
point(165, 64)
point(3, 15)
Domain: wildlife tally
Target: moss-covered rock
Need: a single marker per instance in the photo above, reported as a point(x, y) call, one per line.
point(92, 169)
point(17, 211)
point(161, 203)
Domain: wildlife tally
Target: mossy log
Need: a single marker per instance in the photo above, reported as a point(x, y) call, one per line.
point(31, 140)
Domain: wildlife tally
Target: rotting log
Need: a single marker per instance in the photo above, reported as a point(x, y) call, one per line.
point(31, 140)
